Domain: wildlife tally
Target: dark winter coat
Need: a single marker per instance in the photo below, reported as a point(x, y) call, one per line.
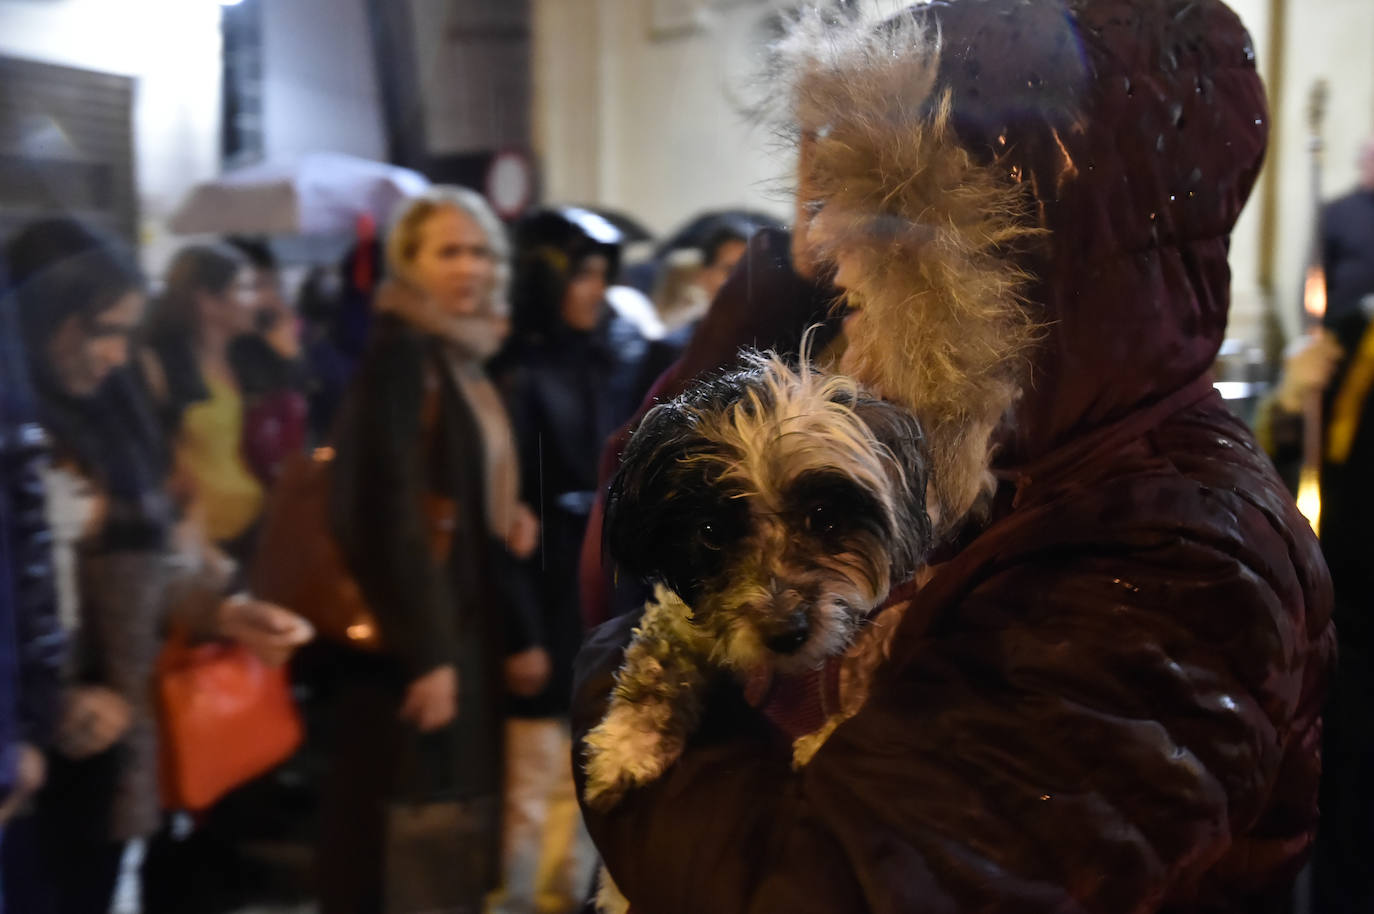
point(1347, 237)
point(566, 392)
point(275, 405)
point(32, 643)
point(429, 614)
point(1347, 486)
point(1109, 699)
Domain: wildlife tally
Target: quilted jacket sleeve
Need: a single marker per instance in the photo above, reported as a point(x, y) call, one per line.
point(1086, 726)
point(27, 584)
point(40, 643)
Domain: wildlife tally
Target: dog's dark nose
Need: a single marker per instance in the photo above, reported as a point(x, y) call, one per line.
point(791, 635)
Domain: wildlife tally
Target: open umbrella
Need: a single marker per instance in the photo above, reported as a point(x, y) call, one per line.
point(317, 194)
point(698, 230)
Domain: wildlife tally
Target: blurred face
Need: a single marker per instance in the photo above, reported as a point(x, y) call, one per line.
point(586, 295)
point(84, 350)
point(232, 309)
point(454, 264)
point(267, 288)
point(714, 274)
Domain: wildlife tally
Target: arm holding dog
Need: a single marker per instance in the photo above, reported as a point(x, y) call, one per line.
point(1007, 755)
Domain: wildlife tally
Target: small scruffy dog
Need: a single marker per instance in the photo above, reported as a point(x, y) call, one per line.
point(773, 508)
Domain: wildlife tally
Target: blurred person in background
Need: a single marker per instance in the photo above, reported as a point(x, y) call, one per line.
point(1347, 238)
point(335, 305)
point(32, 641)
point(209, 299)
point(687, 286)
point(694, 276)
point(129, 568)
point(423, 426)
point(271, 374)
point(1337, 366)
point(567, 386)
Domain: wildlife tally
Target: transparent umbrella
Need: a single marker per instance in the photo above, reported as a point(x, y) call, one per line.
point(315, 194)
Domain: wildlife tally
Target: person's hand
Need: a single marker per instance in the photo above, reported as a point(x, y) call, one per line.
point(31, 770)
point(431, 701)
point(1309, 362)
point(528, 672)
point(523, 537)
point(95, 718)
point(268, 630)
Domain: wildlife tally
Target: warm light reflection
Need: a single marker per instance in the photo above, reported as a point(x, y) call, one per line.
point(1314, 292)
point(1310, 496)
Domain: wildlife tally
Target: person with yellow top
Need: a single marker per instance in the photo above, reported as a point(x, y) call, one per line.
point(209, 300)
point(228, 496)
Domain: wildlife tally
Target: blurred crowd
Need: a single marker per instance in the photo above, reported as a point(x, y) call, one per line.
point(457, 379)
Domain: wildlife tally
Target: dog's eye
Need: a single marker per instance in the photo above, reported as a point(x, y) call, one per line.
point(710, 536)
point(820, 519)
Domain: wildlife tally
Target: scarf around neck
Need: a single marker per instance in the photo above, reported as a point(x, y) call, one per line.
point(469, 340)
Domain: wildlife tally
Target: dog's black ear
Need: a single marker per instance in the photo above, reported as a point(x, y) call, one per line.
point(900, 432)
point(638, 509)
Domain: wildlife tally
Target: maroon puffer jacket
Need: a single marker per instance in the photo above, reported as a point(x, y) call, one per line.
point(1109, 700)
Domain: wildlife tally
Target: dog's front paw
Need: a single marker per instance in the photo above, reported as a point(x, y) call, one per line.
point(624, 751)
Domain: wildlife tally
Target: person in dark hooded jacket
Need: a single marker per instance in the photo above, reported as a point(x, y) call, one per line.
point(569, 377)
point(32, 642)
point(1106, 696)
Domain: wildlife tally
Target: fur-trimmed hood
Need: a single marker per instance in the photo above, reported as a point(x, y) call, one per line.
point(998, 168)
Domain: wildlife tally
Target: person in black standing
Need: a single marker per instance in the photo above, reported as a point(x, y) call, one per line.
point(1337, 364)
point(1347, 233)
point(571, 375)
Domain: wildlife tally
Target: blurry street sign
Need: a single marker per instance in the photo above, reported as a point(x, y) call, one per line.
point(510, 183)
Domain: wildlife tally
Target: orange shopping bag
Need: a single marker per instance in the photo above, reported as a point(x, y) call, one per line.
point(226, 717)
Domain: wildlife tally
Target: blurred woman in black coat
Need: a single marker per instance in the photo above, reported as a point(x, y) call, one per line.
point(426, 510)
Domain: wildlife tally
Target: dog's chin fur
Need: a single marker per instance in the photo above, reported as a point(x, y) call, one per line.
point(844, 589)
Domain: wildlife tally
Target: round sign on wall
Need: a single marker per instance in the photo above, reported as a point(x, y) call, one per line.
point(510, 183)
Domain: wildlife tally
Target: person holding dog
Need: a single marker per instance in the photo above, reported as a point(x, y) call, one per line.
point(1106, 693)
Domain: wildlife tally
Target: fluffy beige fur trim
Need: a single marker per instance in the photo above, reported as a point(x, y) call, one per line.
point(920, 232)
